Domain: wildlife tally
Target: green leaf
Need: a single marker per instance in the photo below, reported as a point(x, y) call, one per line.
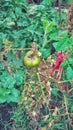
point(59, 126)
point(14, 96)
point(19, 77)
point(55, 92)
point(8, 81)
point(18, 11)
point(4, 91)
point(2, 99)
point(63, 42)
point(70, 1)
point(46, 2)
point(48, 26)
point(70, 60)
point(1, 66)
point(71, 108)
point(54, 36)
point(69, 73)
point(45, 52)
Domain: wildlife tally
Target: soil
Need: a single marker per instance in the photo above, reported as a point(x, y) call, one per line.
point(5, 116)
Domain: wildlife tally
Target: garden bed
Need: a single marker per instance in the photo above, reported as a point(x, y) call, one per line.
point(36, 66)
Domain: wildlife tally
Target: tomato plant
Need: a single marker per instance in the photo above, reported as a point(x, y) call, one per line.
point(45, 92)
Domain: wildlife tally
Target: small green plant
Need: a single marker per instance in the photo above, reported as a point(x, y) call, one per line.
point(10, 84)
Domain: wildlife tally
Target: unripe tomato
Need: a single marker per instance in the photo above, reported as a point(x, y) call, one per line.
point(31, 60)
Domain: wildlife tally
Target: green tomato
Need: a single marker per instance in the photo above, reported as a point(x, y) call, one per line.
point(31, 60)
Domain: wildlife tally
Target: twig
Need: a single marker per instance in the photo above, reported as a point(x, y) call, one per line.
point(17, 49)
point(40, 84)
point(59, 8)
point(70, 90)
point(8, 67)
point(68, 115)
point(66, 81)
